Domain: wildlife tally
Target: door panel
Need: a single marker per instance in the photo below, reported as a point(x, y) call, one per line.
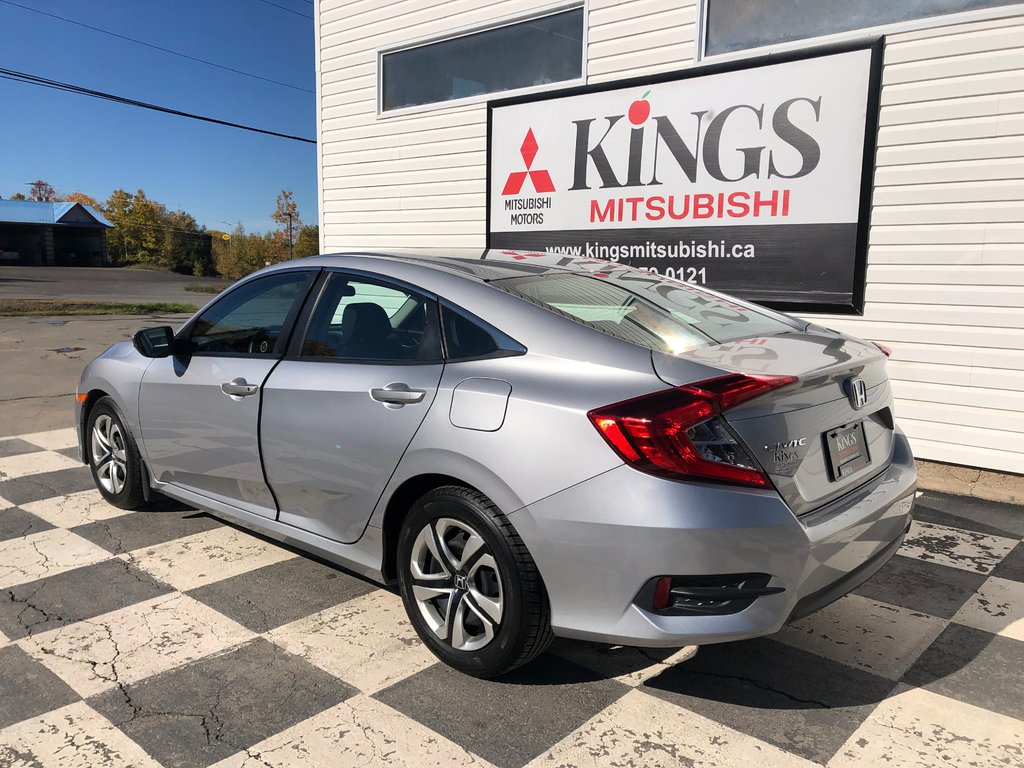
point(200, 409)
point(199, 438)
point(329, 447)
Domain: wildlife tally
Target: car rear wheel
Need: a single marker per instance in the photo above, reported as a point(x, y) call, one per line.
point(113, 457)
point(469, 585)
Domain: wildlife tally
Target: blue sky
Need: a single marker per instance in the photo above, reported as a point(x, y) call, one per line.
point(216, 173)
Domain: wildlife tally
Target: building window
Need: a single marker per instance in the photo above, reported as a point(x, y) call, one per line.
point(521, 55)
point(735, 25)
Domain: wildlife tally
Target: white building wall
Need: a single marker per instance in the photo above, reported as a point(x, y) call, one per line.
point(946, 258)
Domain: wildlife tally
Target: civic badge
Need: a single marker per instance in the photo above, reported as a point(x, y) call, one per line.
point(857, 391)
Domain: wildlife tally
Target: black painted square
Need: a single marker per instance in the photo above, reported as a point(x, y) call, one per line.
point(22, 490)
point(70, 596)
point(145, 529)
point(205, 711)
point(15, 447)
point(281, 593)
point(803, 703)
point(1012, 566)
point(923, 586)
point(507, 721)
point(15, 523)
point(977, 667)
point(27, 688)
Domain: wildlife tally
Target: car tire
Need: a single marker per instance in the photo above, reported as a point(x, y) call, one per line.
point(114, 457)
point(469, 585)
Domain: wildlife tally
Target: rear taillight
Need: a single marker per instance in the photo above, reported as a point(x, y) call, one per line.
point(679, 433)
point(887, 351)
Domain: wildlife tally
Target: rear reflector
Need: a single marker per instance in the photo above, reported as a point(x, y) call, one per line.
point(678, 433)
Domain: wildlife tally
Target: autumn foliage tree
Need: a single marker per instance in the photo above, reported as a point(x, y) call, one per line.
point(41, 192)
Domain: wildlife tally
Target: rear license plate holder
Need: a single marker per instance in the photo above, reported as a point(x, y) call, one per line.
point(847, 450)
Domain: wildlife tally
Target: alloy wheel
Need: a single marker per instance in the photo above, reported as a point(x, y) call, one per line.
point(109, 455)
point(456, 584)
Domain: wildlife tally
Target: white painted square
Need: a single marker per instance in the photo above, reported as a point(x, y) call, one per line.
point(368, 642)
point(967, 550)
point(359, 731)
point(877, 637)
point(45, 554)
point(75, 736)
point(206, 557)
point(74, 509)
point(37, 463)
point(920, 728)
point(133, 643)
point(997, 607)
point(53, 440)
point(641, 730)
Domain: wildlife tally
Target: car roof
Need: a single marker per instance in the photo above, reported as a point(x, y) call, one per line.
point(485, 266)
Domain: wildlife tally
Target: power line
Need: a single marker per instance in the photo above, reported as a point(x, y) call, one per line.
point(24, 77)
point(284, 8)
point(156, 47)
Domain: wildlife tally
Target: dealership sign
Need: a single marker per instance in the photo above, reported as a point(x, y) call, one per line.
point(753, 179)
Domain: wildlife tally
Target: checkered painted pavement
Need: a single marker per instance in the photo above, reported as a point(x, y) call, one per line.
point(169, 638)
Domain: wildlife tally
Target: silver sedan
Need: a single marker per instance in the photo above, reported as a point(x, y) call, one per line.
point(529, 446)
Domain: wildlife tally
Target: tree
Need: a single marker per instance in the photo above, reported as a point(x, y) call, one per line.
point(137, 231)
point(42, 192)
point(17, 196)
point(84, 199)
point(288, 221)
point(308, 242)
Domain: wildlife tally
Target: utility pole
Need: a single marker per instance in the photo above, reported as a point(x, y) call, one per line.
point(290, 214)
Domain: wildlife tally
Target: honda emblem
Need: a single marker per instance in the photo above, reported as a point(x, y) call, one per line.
point(857, 391)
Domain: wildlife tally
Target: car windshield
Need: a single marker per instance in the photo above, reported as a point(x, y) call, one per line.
point(648, 310)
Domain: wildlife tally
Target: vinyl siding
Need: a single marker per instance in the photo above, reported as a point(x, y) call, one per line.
point(946, 258)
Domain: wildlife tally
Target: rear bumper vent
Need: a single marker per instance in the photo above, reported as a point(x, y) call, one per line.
point(704, 595)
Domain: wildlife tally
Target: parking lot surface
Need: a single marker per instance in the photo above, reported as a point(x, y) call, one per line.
point(102, 284)
point(169, 638)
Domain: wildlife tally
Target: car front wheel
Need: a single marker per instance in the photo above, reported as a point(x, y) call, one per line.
point(469, 585)
point(113, 457)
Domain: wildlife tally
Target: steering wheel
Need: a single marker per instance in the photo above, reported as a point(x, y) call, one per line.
point(260, 343)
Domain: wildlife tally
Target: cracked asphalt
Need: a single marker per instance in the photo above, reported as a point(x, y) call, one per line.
point(169, 638)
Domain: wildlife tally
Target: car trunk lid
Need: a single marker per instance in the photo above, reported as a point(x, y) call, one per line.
point(814, 438)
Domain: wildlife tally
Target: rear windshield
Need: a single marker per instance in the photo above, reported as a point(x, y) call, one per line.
point(647, 310)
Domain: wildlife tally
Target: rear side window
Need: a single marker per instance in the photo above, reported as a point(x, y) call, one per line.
point(646, 310)
point(464, 338)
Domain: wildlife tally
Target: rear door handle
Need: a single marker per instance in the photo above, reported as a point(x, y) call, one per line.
point(397, 393)
point(238, 388)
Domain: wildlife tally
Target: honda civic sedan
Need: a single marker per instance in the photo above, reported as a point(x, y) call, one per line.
point(530, 446)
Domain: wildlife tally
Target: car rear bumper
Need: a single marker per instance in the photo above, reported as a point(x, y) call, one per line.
point(600, 542)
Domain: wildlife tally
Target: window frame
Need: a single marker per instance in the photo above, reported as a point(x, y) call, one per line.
point(504, 21)
point(305, 318)
point(863, 33)
point(288, 325)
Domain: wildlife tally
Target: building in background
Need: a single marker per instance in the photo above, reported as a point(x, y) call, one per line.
point(403, 88)
point(52, 234)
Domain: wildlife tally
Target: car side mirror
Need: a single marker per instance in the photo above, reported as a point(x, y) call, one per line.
point(155, 342)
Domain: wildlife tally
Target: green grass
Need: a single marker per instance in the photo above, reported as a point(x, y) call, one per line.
point(53, 307)
point(204, 288)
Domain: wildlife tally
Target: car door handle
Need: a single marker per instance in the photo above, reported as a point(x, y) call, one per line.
point(397, 394)
point(238, 388)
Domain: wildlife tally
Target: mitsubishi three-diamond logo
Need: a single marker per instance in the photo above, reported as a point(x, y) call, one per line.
point(541, 180)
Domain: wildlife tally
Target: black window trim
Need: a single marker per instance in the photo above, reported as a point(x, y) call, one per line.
point(294, 350)
point(287, 326)
point(508, 21)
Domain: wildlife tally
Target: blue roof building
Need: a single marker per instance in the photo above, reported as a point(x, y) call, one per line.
point(52, 234)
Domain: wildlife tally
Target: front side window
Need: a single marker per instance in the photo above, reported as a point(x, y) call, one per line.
point(735, 25)
point(535, 52)
point(358, 319)
point(250, 320)
point(651, 312)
